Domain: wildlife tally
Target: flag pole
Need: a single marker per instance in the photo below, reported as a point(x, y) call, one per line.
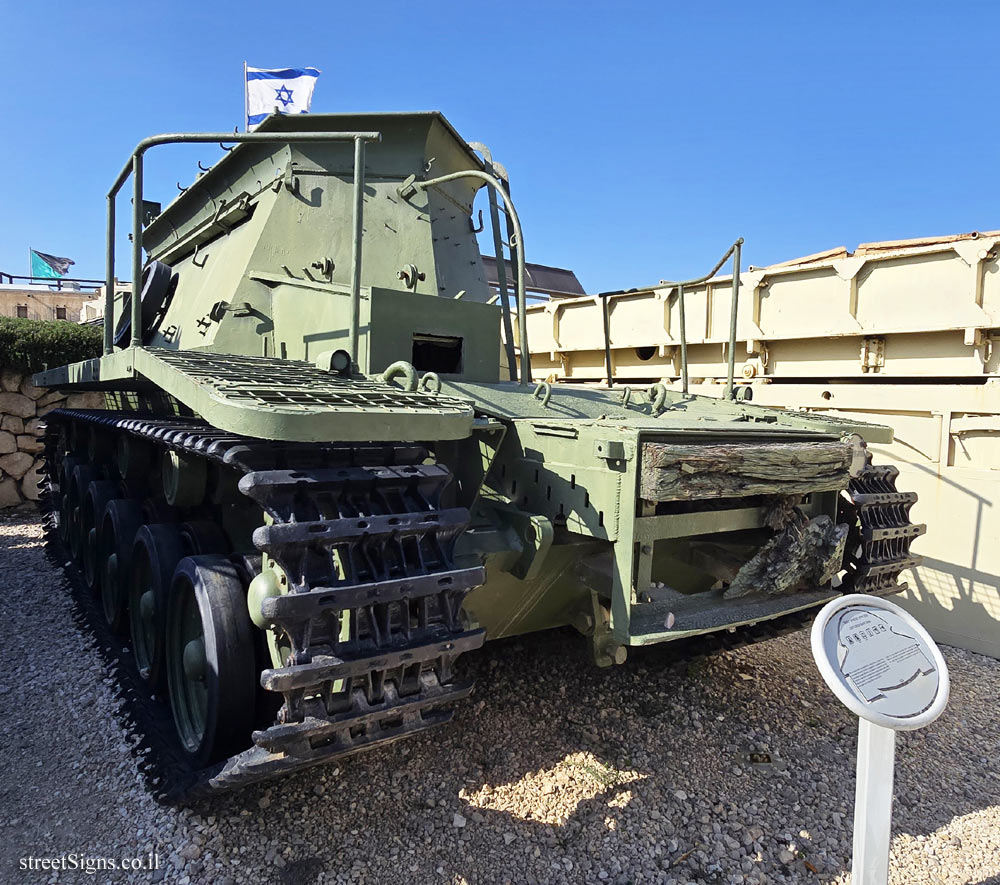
point(246, 107)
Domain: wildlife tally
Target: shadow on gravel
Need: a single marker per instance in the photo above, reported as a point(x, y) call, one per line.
point(559, 771)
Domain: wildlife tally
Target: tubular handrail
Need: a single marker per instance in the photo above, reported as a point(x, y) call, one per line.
point(57, 283)
point(495, 183)
point(735, 250)
point(502, 292)
point(134, 168)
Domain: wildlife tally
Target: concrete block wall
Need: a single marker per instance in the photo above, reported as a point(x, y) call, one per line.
point(22, 408)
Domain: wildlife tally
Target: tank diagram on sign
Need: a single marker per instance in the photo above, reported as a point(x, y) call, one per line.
point(892, 662)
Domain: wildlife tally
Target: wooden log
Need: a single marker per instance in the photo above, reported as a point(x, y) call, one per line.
point(674, 472)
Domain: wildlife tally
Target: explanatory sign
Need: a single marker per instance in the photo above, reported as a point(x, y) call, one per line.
point(883, 666)
point(880, 662)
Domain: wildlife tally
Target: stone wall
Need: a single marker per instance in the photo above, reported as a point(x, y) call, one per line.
point(22, 406)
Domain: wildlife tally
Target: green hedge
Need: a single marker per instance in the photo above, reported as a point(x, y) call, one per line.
point(36, 345)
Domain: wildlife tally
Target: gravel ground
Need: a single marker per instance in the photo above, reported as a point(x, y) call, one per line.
point(735, 768)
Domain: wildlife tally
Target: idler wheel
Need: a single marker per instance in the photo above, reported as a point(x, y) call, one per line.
point(184, 478)
point(119, 526)
point(99, 493)
point(210, 659)
point(155, 554)
point(134, 461)
point(83, 476)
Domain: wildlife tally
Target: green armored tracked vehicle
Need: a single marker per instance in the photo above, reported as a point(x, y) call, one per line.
point(312, 491)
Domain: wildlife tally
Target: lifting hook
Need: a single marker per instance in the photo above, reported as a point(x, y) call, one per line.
point(404, 369)
point(545, 389)
point(657, 398)
point(431, 383)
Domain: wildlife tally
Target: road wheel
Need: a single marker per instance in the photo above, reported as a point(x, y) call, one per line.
point(99, 493)
point(122, 520)
point(155, 554)
point(83, 475)
point(210, 659)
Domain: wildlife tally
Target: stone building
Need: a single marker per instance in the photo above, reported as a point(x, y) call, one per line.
point(79, 301)
point(40, 302)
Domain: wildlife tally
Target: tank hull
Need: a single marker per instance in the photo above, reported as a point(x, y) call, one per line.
point(311, 495)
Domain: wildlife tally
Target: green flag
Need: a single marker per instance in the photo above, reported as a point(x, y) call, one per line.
point(44, 265)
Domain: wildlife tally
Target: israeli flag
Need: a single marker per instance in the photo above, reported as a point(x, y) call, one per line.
point(278, 90)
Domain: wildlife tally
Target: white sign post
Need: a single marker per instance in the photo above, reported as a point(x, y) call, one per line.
point(883, 666)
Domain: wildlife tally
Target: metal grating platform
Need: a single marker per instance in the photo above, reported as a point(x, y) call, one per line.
point(295, 385)
point(292, 400)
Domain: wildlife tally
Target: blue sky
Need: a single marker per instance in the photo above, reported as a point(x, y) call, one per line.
point(641, 138)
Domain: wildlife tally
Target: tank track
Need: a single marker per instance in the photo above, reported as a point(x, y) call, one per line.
point(358, 530)
point(881, 532)
point(307, 730)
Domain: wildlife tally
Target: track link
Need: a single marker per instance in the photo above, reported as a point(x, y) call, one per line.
point(881, 532)
point(372, 617)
